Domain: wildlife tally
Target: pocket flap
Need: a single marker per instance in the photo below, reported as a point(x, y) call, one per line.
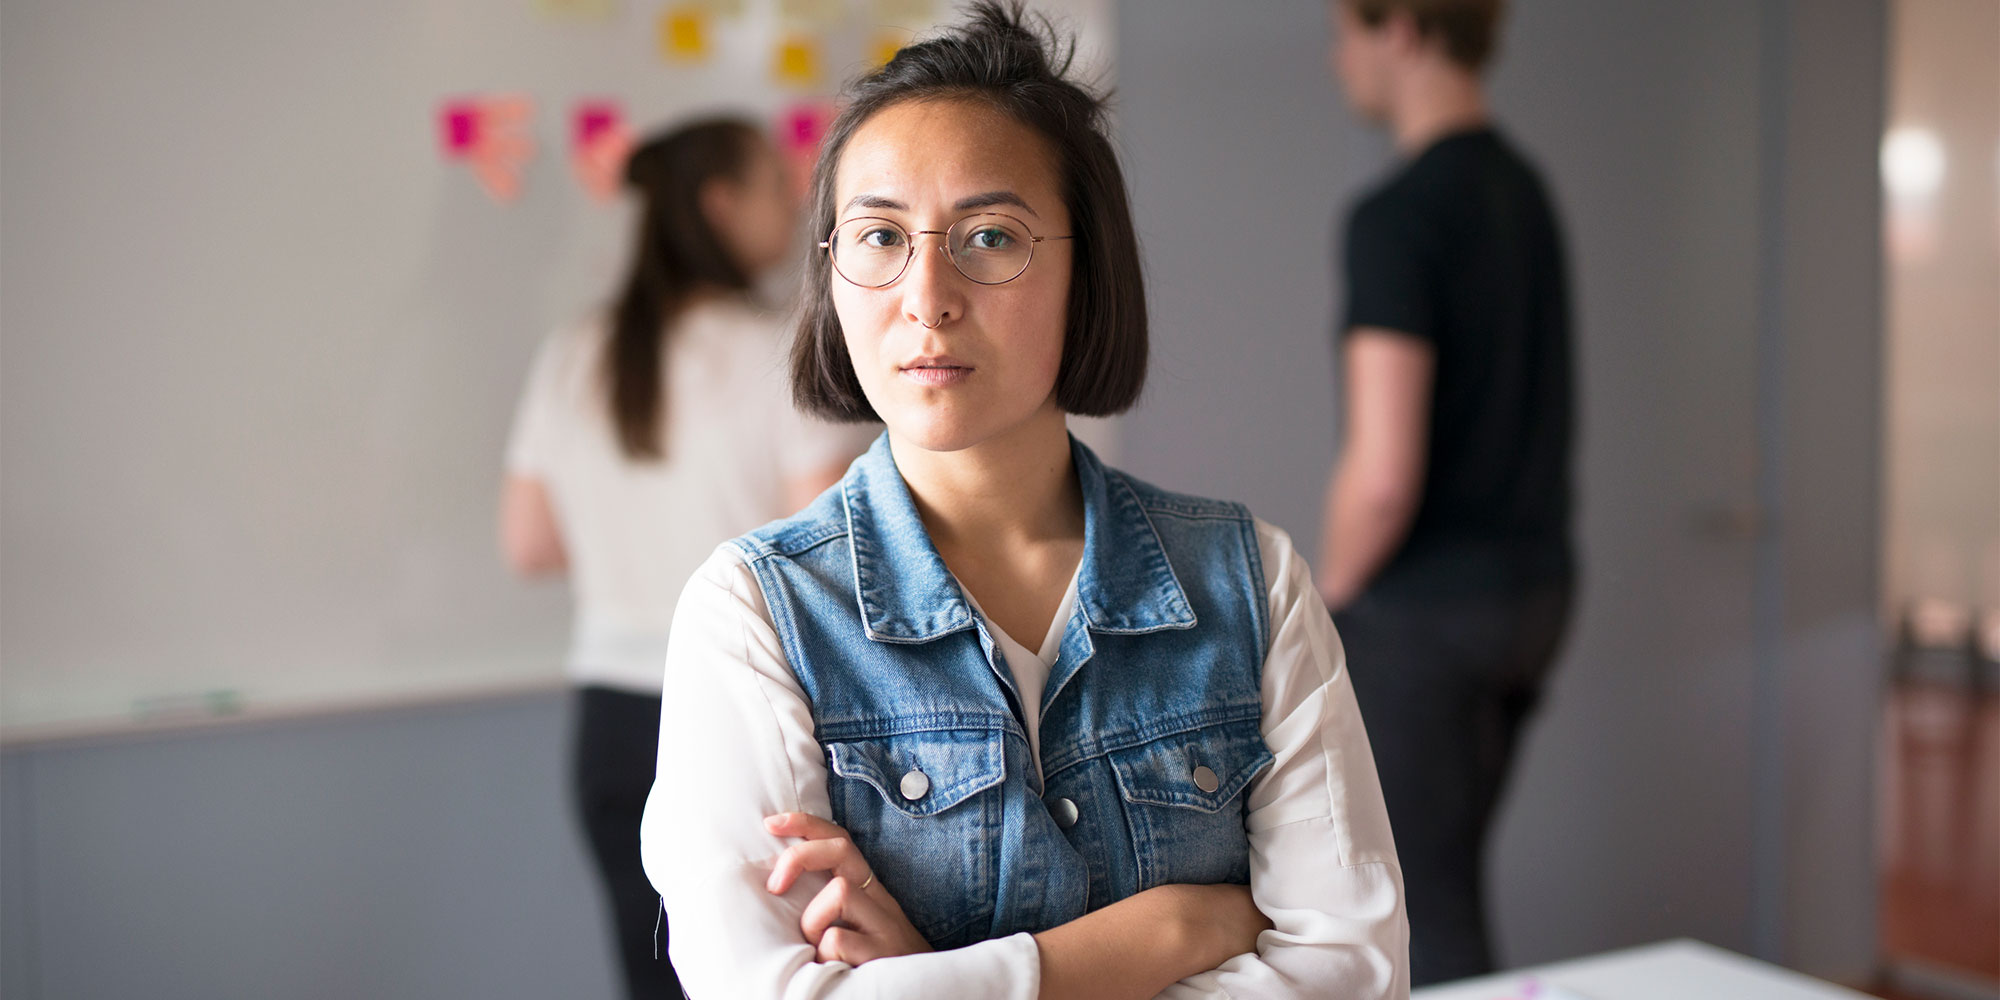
point(954, 764)
point(1200, 769)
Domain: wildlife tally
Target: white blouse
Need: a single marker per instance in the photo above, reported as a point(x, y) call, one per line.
point(736, 745)
point(633, 531)
point(1031, 668)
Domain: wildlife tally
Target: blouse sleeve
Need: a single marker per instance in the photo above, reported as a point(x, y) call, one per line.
point(534, 439)
point(1322, 860)
point(736, 745)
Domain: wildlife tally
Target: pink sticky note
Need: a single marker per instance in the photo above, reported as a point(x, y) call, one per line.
point(599, 146)
point(458, 125)
point(797, 134)
point(803, 126)
point(593, 120)
point(489, 133)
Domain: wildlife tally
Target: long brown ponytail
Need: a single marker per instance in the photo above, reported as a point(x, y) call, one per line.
point(675, 253)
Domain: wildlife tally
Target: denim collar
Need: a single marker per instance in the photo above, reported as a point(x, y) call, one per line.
point(1125, 583)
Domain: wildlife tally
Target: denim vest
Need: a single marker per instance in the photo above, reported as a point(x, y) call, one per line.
point(1151, 717)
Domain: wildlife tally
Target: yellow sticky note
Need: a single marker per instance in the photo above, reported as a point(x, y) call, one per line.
point(797, 62)
point(684, 33)
point(885, 46)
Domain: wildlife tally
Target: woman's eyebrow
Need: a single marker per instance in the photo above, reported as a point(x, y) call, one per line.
point(985, 199)
point(988, 199)
point(873, 201)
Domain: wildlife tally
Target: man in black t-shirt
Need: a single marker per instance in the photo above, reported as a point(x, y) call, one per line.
point(1447, 558)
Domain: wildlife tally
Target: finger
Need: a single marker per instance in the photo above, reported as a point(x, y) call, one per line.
point(855, 946)
point(827, 908)
point(843, 903)
point(842, 945)
point(838, 856)
point(799, 824)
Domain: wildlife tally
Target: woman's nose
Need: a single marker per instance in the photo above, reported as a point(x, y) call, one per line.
point(933, 291)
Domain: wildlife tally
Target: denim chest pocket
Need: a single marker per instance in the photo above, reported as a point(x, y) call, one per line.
point(924, 808)
point(1185, 800)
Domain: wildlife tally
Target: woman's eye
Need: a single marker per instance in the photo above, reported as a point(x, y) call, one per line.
point(990, 239)
point(881, 237)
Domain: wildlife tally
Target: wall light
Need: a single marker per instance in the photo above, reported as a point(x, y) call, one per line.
point(1912, 163)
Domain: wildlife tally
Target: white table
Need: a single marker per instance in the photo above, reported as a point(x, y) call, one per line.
point(1670, 970)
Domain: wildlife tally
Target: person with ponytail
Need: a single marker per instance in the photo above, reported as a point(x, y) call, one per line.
point(645, 436)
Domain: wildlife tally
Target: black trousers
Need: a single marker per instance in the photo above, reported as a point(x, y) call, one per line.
point(1446, 687)
point(616, 740)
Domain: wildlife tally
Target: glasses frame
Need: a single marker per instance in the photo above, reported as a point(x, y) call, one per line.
point(910, 245)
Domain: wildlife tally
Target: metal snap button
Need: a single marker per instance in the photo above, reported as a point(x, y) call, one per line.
point(1205, 779)
point(915, 785)
point(1064, 811)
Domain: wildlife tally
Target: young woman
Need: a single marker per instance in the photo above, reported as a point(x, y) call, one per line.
point(990, 719)
point(644, 439)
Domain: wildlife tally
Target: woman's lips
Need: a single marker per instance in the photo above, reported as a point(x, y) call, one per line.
point(937, 375)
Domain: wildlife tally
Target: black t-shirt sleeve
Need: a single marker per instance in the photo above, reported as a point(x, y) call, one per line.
point(1388, 280)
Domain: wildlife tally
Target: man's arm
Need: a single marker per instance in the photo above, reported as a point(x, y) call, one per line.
point(1379, 478)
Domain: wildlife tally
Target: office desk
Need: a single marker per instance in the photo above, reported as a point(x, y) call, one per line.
point(1670, 970)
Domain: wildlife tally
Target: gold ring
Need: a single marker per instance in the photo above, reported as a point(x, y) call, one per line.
point(871, 881)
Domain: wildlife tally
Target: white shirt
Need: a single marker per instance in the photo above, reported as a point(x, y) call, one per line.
point(1031, 668)
point(634, 532)
point(736, 745)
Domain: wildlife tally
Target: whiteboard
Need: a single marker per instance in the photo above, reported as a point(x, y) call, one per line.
point(260, 341)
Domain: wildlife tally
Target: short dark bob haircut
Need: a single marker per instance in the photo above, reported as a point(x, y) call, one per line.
point(997, 57)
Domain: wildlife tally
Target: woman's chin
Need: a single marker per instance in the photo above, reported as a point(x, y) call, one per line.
point(932, 434)
point(944, 426)
point(958, 427)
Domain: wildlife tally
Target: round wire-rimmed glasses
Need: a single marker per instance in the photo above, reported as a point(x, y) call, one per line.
point(991, 248)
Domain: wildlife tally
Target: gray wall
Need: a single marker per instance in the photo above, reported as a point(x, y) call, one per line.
point(413, 853)
point(1238, 159)
point(1827, 374)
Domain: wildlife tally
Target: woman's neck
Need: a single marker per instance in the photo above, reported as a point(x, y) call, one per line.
point(1017, 489)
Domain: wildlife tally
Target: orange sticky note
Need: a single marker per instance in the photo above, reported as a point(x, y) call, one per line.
point(684, 33)
point(797, 62)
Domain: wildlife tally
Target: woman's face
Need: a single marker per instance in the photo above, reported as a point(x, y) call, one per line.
point(755, 214)
point(946, 362)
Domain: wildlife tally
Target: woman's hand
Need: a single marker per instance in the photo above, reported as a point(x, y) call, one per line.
point(853, 919)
